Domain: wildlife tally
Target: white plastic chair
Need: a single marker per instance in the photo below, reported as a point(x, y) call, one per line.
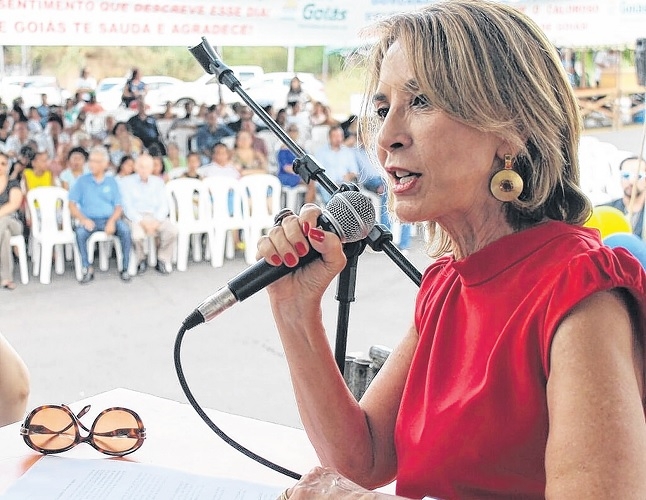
point(261, 201)
point(293, 196)
point(18, 241)
point(225, 219)
point(51, 230)
point(105, 241)
point(191, 209)
point(176, 173)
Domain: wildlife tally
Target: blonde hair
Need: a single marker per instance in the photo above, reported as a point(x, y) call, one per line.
point(490, 67)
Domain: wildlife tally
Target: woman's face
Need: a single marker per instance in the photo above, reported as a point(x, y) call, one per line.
point(438, 168)
point(127, 167)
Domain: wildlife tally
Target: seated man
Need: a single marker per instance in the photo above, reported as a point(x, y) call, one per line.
point(146, 207)
point(95, 201)
point(633, 201)
point(338, 160)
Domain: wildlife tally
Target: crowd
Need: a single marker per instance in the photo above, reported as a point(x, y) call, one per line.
point(83, 148)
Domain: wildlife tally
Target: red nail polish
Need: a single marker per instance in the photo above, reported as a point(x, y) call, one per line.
point(306, 228)
point(301, 249)
point(316, 234)
point(290, 260)
point(276, 259)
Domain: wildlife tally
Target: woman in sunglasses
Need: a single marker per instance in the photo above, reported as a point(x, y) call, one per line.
point(522, 374)
point(633, 185)
point(14, 384)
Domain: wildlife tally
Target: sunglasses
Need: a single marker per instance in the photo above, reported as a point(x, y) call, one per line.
point(632, 176)
point(54, 429)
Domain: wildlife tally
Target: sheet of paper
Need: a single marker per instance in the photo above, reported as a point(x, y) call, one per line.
point(73, 479)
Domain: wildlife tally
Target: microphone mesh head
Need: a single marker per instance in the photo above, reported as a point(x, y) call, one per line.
point(352, 214)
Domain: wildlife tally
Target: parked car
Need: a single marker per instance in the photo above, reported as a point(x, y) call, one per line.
point(31, 88)
point(109, 91)
point(11, 87)
point(272, 88)
point(205, 90)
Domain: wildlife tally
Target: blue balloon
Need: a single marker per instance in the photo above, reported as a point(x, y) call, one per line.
point(634, 244)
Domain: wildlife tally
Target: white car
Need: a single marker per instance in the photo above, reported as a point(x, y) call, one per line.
point(110, 90)
point(206, 89)
point(11, 88)
point(31, 88)
point(272, 88)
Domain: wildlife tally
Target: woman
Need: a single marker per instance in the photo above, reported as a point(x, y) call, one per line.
point(522, 374)
point(122, 143)
point(126, 167)
point(173, 158)
point(133, 89)
point(296, 93)
point(76, 167)
point(10, 202)
point(245, 157)
point(286, 174)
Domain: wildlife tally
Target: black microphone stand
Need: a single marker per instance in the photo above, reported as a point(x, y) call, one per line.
point(379, 238)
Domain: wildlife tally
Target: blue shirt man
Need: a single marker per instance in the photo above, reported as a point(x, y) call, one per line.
point(338, 160)
point(209, 134)
point(95, 201)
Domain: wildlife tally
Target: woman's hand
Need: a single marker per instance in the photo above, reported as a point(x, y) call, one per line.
point(324, 482)
point(286, 243)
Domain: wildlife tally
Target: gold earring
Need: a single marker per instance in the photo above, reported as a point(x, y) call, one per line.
point(506, 184)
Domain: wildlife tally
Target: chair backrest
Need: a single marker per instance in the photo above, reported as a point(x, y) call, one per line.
point(50, 211)
point(226, 199)
point(176, 173)
point(261, 198)
point(189, 201)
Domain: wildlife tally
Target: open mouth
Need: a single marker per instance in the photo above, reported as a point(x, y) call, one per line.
point(404, 177)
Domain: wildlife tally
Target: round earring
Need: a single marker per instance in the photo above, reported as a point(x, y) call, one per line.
point(506, 184)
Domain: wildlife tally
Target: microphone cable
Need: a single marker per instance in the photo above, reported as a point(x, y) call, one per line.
point(196, 406)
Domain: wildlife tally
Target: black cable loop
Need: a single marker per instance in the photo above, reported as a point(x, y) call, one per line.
point(209, 422)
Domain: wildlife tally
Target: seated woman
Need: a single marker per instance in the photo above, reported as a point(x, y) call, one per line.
point(122, 143)
point(173, 158)
point(246, 157)
point(14, 384)
point(10, 201)
point(76, 167)
point(286, 173)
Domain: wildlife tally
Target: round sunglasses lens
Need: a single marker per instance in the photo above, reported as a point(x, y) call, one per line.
point(52, 429)
point(116, 432)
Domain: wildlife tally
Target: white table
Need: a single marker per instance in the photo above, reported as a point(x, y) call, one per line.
point(176, 437)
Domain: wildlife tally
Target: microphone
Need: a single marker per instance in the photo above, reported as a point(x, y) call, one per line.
point(348, 214)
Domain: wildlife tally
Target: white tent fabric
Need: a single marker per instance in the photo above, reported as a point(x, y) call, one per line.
point(574, 23)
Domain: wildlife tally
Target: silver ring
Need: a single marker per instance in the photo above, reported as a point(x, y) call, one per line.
point(280, 216)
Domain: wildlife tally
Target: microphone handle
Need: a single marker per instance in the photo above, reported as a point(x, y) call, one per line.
point(262, 274)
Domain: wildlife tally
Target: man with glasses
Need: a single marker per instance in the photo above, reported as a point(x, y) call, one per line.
point(633, 184)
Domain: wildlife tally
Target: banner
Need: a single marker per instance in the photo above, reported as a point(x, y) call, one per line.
point(279, 22)
point(183, 22)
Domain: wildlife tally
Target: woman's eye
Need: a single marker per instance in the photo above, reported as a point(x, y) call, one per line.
point(382, 112)
point(420, 101)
